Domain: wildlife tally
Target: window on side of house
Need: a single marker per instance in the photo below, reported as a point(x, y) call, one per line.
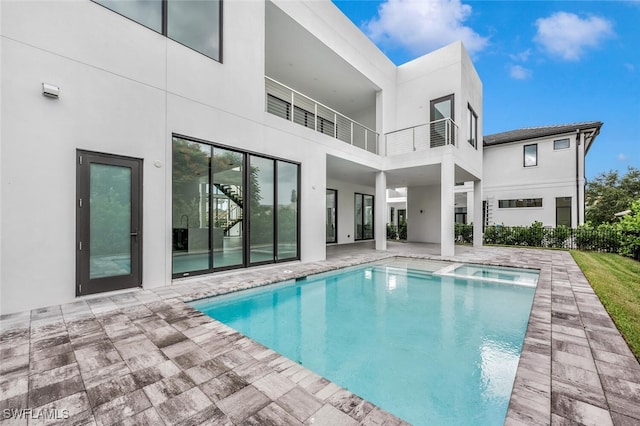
point(530, 155)
point(472, 120)
point(195, 24)
point(520, 202)
point(561, 144)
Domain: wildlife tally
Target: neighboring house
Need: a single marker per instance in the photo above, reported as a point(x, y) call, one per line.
point(537, 174)
point(144, 141)
point(532, 174)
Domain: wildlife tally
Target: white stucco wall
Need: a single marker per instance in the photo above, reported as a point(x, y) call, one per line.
point(505, 177)
point(423, 214)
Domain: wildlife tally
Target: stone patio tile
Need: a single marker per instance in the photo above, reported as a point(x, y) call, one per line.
point(54, 384)
point(18, 364)
point(155, 373)
point(299, 403)
point(520, 410)
point(350, 404)
point(75, 407)
point(98, 355)
point(206, 371)
point(272, 414)
point(622, 420)
point(626, 372)
point(243, 403)
point(623, 405)
point(169, 387)
point(625, 388)
point(274, 385)
point(165, 336)
point(16, 402)
point(328, 415)
point(252, 370)
point(222, 386)
point(574, 374)
point(580, 412)
point(590, 395)
point(121, 408)
point(53, 361)
point(615, 359)
point(327, 391)
point(134, 345)
point(378, 417)
point(111, 389)
point(235, 358)
point(566, 358)
point(572, 331)
point(183, 406)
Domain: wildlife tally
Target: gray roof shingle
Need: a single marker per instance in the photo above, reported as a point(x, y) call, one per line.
point(538, 132)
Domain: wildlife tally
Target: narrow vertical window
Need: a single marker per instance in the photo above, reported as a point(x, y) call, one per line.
point(332, 217)
point(563, 211)
point(287, 224)
point(364, 220)
point(472, 121)
point(531, 155)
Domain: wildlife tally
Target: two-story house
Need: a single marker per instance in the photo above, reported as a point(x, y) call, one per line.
point(145, 141)
point(537, 174)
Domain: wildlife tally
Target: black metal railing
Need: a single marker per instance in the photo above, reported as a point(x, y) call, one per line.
point(607, 239)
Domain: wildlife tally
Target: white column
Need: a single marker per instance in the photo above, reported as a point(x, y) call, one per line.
point(477, 213)
point(447, 205)
point(380, 211)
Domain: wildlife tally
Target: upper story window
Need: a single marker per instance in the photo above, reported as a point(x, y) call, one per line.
point(472, 120)
point(193, 23)
point(442, 129)
point(561, 144)
point(531, 155)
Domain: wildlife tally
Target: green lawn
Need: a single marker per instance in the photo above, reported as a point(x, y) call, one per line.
point(616, 281)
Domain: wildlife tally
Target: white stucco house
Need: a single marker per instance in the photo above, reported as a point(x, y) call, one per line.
point(145, 141)
point(537, 174)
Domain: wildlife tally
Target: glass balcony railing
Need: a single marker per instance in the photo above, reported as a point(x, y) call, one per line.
point(421, 138)
point(291, 105)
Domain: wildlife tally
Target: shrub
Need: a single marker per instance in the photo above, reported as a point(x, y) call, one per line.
point(464, 233)
point(402, 230)
point(392, 232)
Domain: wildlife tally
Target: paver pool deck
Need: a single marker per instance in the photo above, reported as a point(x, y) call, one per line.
point(146, 357)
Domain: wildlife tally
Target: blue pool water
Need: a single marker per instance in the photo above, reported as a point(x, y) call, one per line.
point(429, 349)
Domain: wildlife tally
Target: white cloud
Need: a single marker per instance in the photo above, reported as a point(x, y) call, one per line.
point(630, 67)
point(519, 72)
point(522, 56)
point(422, 26)
point(568, 36)
point(622, 157)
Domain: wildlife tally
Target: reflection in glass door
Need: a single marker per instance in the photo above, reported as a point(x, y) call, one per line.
point(228, 206)
point(215, 190)
point(261, 220)
point(109, 224)
point(364, 216)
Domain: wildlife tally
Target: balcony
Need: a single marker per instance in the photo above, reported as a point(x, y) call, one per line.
point(421, 138)
point(291, 105)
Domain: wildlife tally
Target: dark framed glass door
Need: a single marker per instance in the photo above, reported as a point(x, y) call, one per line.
point(442, 131)
point(108, 223)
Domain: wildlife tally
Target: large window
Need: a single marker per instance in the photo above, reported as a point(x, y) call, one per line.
point(521, 202)
point(472, 121)
point(363, 216)
point(530, 153)
point(332, 216)
point(215, 190)
point(193, 23)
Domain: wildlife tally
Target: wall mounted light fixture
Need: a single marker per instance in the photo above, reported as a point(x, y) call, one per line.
point(50, 91)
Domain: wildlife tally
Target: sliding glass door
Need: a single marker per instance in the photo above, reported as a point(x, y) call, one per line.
point(231, 209)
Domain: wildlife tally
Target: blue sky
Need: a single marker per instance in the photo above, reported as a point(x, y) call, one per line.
point(541, 62)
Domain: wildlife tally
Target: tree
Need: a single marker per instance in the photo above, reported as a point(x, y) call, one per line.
point(609, 193)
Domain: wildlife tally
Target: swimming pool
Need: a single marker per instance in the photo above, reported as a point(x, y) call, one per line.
point(430, 349)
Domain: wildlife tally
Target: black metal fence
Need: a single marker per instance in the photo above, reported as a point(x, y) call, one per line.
point(603, 239)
